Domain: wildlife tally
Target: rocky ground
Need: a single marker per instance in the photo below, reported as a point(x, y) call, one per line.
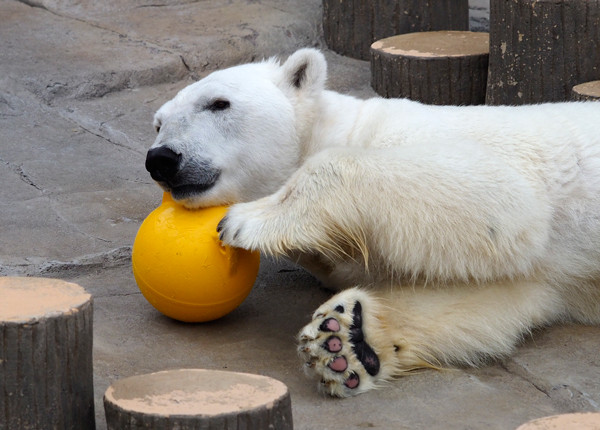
point(79, 82)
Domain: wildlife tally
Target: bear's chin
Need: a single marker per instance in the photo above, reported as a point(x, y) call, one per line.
point(191, 195)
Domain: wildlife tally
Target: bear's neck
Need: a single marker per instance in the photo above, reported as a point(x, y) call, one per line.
point(333, 121)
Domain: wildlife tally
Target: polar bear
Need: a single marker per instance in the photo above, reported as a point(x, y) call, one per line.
point(451, 231)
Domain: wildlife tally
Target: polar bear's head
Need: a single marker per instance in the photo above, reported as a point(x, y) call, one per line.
point(236, 135)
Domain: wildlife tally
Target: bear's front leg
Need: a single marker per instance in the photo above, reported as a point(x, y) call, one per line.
point(314, 215)
point(274, 228)
point(394, 213)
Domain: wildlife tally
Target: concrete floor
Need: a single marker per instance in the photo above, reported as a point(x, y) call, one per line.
point(79, 83)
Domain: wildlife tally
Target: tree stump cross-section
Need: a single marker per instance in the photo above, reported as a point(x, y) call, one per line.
point(439, 67)
point(588, 91)
point(351, 26)
point(192, 399)
point(46, 374)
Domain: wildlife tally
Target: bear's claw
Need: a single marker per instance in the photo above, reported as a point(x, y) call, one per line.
point(241, 227)
point(334, 346)
point(251, 226)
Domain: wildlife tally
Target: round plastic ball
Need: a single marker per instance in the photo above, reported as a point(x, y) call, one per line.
point(182, 268)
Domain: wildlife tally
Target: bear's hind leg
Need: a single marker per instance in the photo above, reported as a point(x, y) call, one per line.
point(348, 347)
point(361, 338)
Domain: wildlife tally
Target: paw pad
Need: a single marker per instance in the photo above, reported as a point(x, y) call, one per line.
point(339, 364)
point(333, 344)
point(338, 350)
point(330, 324)
point(353, 381)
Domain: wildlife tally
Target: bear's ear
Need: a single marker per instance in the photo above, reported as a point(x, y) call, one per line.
point(305, 70)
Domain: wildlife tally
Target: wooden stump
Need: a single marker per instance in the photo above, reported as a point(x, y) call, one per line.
point(540, 49)
point(441, 67)
point(46, 378)
point(351, 26)
point(187, 399)
point(587, 91)
point(576, 421)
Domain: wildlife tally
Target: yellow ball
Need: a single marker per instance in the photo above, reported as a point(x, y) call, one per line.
point(182, 268)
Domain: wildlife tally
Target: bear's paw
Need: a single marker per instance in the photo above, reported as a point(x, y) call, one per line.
point(335, 346)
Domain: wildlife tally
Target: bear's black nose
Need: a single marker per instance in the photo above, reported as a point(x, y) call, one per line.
point(162, 163)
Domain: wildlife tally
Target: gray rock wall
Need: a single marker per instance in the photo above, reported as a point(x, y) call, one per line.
point(479, 15)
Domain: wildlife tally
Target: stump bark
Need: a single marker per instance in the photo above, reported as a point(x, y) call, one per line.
point(46, 379)
point(187, 399)
point(588, 91)
point(351, 26)
point(441, 67)
point(540, 49)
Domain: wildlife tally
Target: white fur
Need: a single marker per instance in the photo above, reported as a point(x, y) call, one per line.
point(469, 225)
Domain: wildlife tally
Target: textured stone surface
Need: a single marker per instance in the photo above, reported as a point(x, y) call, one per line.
point(205, 34)
point(79, 83)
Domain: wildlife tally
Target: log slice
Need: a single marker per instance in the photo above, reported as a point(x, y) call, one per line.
point(439, 67)
point(587, 91)
point(573, 421)
point(46, 373)
point(187, 399)
point(351, 26)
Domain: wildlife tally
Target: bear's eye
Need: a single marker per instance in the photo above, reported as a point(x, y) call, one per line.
point(157, 128)
point(219, 104)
